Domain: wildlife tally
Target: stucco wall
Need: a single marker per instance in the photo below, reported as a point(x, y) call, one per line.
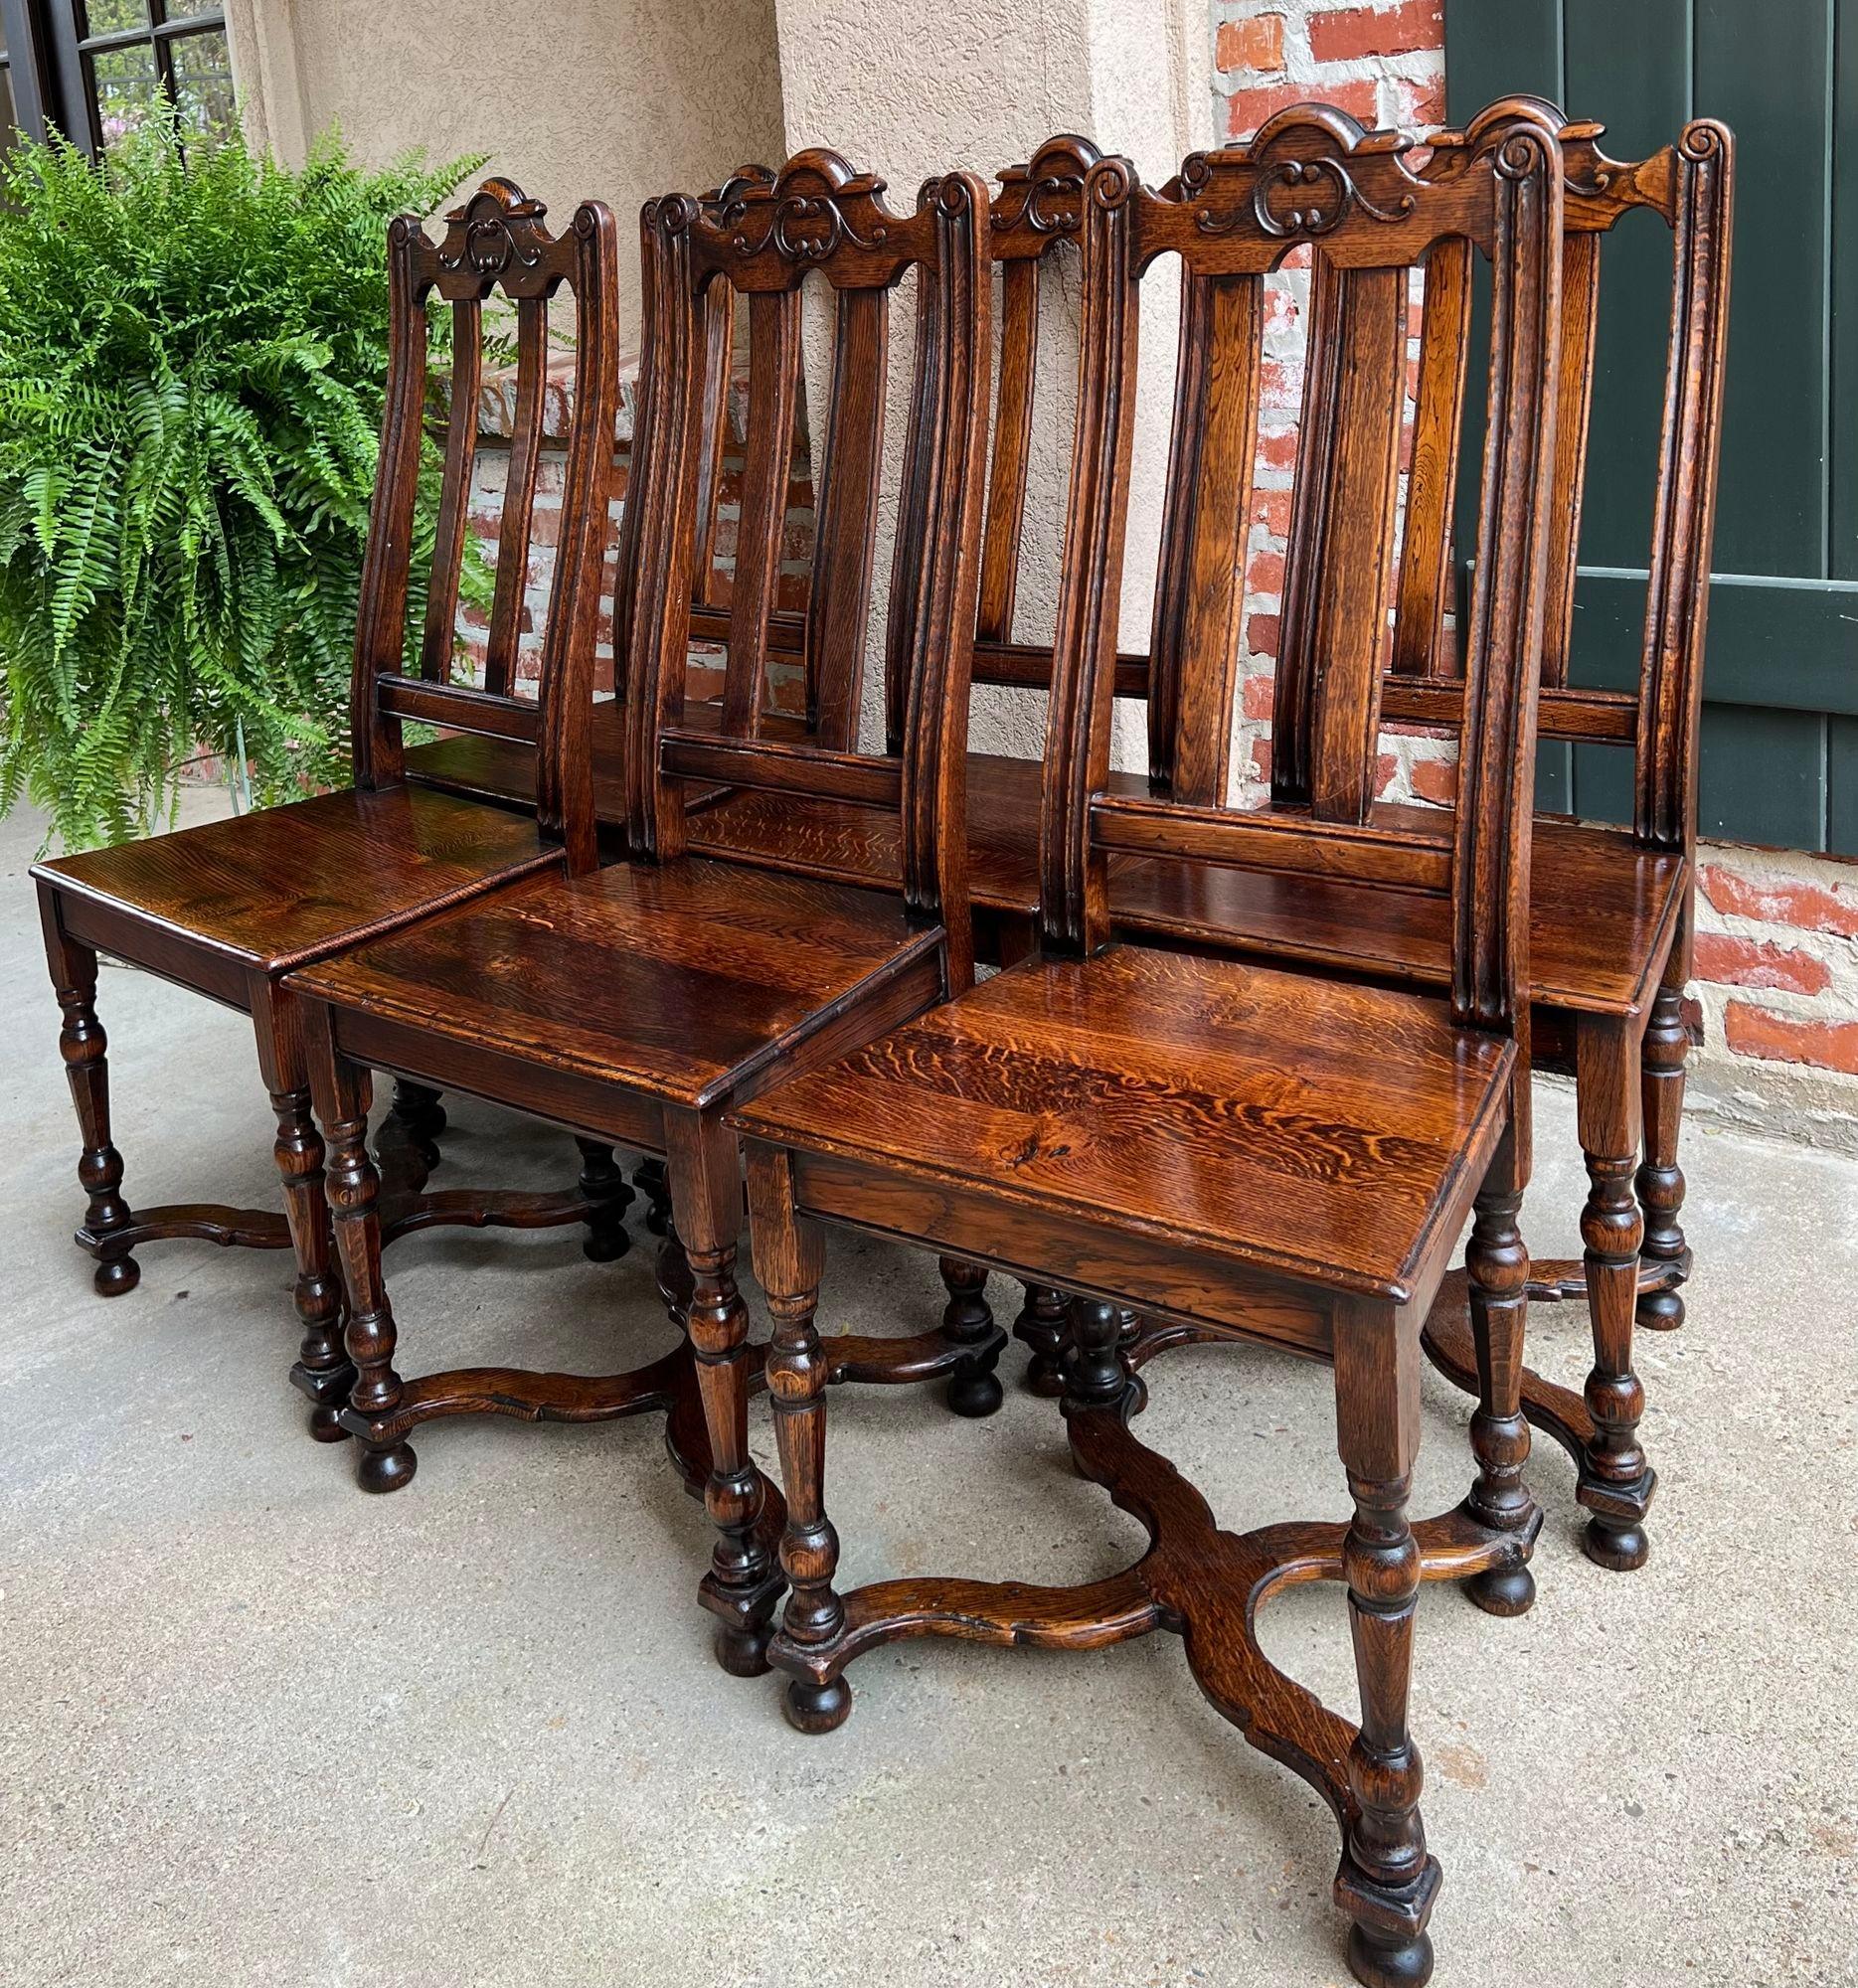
point(620, 99)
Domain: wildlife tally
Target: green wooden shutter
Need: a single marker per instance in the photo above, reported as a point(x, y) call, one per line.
point(1781, 688)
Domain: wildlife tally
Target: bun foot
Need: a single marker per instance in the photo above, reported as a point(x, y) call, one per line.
point(817, 1708)
point(1503, 1590)
point(743, 1653)
point(386, 1469)
point(1619, 1549)
point(1045, 1376)
point(606, 1245)
point(1378, 1962)
point(325, 1423)
point(975, 1394)
point(117, 1277)
point(1660, 1312)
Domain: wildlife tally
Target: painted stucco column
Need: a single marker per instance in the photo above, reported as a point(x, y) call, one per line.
point(905, 90)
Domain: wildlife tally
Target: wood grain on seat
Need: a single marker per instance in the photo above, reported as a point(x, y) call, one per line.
point(288, 885)
point(1305, 1128)
point(683, 982)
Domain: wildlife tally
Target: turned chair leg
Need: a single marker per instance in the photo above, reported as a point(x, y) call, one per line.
point(343, 1091)
point(323, 1370)
point(649, 1178)
point(789, 1255)
point(1497, 1271)
point(414, 1119)
point(1616, 1483)
point(84, 1048)
point(1096, 1375)
point(967, 1321)
point(1386, 1883)
point(1661, 1181)
point(1040, 1326)
point(604, 1187)
point(742, 1584)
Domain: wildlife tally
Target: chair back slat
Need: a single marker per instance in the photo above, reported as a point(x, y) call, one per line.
point(820, 219)
point(1338, 575)
point(1200, 585)
point(1312, 175)
point(846, 509)
point(467, 376)
point(911, 522)
point(495, 243)
point(1012, 448)
point(1579, 323)
point(1421, 645)
point(767, 458)
point(519, 496)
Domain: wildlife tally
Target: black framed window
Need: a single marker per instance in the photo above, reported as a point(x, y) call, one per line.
point(97, 68)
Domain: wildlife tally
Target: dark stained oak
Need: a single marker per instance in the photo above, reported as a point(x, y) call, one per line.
point(230, 908)
point(1232, 1149)
point(636, 1004)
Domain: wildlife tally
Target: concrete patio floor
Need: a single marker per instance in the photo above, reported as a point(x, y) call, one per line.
point(259, 1729)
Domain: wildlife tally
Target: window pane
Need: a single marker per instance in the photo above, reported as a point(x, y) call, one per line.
point(203, 81)
point(181, 10)
point(105, 17)
point(9, 134)
point(127, 90)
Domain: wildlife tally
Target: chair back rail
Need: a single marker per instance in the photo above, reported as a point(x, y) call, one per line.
point(495, 243)
point(1312, 175)
point(819, 218)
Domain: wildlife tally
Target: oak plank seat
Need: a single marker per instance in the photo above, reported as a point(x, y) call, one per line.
point(637, 1003)
point(690, 982)
point(1248, 1152)
point(1324, 1131)
point(229, 908)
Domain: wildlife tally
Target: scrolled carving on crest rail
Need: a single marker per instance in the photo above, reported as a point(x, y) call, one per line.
point(499, 224)
point(806, 214)
point(1045, 195)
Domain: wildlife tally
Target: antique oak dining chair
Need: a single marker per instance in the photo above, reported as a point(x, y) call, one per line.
point(1609, 907)
point(1283, 1157)
point(229, 908)
point(639, 1002)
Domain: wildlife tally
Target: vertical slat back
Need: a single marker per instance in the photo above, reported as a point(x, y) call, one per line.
point(519, 497)
point(821, 218)
point(845, 538)
point(767, 458)
point(1579, 297)
point(454, 500)
point(1334, 624)
point(1012, 449)
point(1200, 585)
point(495, 242)
point(719, 358)
point(1313, 175)
point(1422, 647)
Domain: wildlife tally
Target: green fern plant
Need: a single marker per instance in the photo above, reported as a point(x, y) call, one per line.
point(193, 356)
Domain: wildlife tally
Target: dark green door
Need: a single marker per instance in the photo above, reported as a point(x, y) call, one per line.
point(1781, 711)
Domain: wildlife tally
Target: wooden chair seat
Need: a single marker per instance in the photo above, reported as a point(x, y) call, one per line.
point(690, 982)
point(1308, 1129)
point(1602, 905)
point(288, 885)
point(859, 845)
point(1601, 910)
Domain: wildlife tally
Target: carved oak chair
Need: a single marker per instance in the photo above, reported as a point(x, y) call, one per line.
point(1268, 1155)
point(639, 1002)
point(230, 908)
point(1610, 910)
